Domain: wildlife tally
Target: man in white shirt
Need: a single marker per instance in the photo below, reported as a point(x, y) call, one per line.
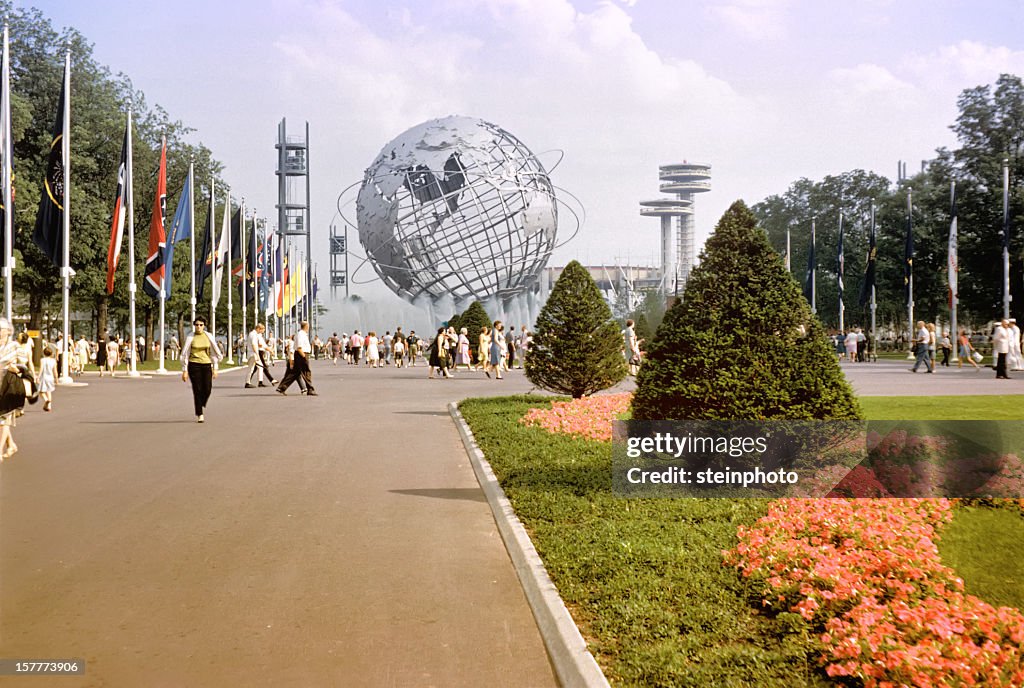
point(255, 349)
point(1001, 347)
point(300, 365)
point(921, 347)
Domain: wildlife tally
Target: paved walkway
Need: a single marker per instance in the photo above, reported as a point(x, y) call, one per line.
point(340, 540)
point(893, 378)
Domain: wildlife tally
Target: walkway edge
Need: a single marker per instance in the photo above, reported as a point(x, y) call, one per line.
point(574, 665)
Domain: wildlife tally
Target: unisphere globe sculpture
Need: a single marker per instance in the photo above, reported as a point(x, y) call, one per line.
point(457, 207)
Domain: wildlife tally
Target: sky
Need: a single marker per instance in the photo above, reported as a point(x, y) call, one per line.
point(765, 91)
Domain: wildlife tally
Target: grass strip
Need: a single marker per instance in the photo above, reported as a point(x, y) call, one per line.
point(643, 578)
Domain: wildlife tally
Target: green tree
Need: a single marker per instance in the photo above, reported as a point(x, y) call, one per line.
point(577, 348)
point(742, 344)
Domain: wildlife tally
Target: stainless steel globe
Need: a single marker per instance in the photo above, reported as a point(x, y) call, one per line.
point(457, 207)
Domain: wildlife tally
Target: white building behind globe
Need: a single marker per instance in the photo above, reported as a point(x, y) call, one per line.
point(457, 209)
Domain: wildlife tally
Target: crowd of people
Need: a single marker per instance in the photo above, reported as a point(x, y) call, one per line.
point(493, 350)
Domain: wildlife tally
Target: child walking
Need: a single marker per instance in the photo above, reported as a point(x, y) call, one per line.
point(47, 378)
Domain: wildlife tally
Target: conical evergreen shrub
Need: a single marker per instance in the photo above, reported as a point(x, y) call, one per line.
point(473, 318)
point(577, 346)
point(743, 343)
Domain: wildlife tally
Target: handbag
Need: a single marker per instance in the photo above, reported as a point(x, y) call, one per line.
point(976, 356)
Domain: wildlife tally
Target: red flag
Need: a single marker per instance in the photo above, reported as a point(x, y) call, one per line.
point(120, 204)
point(157, 238)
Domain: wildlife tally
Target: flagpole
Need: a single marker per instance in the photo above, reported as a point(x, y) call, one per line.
point(910, 278)
point(1006, 239)
point(163, 274)
point(954, 287)
point(8, 163)
point(231, 343)
point(213, 254)
point(266, 266)
point(65, 376)
point(874, 330)
point(244, 249)
point(192, 238)
point(787, 249)
point(255, 258)
point(130, 209)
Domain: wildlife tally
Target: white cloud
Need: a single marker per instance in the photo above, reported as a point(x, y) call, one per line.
point(868, 80)
point(967, 62)
point(759, 20)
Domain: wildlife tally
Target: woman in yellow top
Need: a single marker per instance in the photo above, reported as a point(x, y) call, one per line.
point(199, 358)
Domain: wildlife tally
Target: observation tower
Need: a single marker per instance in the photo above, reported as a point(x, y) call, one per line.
point(678, 243)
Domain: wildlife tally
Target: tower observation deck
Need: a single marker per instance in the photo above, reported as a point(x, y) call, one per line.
point(678, 243)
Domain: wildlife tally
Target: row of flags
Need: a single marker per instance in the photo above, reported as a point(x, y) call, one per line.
point(267, 279)
point(868, 284)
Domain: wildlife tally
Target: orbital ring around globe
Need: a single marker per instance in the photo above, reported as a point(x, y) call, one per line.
point(576, 209)
point(457, 207)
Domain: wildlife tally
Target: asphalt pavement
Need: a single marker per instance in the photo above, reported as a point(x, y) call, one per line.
point(337, 540)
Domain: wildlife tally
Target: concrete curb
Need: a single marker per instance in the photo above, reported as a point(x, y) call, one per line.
point(574, 665)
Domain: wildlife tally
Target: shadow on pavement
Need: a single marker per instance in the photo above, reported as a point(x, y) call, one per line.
point(471, 494)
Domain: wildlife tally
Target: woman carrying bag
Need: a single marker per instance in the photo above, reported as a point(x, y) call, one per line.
point(199, 358)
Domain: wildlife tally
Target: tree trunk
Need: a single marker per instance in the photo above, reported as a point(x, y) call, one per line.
point(101, 316)
point(35, 311)
point(150, 325)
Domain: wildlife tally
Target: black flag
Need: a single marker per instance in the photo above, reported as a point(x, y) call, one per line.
point(49, 232)
point(204, 268)
point(869, 271)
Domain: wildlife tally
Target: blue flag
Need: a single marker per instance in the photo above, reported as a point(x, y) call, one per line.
point(181, 228)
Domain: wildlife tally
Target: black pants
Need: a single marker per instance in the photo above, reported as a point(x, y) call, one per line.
point(298, 369)
point(201, 377)
point(1001, 367)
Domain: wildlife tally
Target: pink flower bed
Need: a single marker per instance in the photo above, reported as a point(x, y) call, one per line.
point(867, 573)
point(589, 417)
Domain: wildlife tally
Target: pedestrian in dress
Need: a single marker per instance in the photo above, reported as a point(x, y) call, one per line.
point(437, 354)
point(200, 357)
point(113, 355)
point(372, 350)
point(462, 352)
point(483, 350)
point(47, 378)
point(497, 353)
point(850, 342)
point(966, 350)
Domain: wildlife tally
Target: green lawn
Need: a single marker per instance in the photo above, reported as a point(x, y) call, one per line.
point(644, 578)
point(984, 546)
point(976, 407)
